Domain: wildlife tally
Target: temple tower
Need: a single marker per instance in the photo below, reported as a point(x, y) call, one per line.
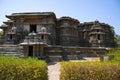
point(68, 31)
point(97, 35)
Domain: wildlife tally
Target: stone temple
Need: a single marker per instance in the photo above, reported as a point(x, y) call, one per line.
point(42, 34)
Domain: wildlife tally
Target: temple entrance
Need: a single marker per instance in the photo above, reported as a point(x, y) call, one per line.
point(33, 28)
point(30, 54)
point(10, 37)
point(98, 36)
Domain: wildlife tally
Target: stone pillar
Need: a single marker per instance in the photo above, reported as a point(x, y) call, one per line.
point(41, 50)
point(37, 50)
point(34, 51)
point(26, 50)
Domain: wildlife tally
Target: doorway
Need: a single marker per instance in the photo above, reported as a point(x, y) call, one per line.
point(10, 37)
point(33, 28)
point(98, 36)
point(30, 54)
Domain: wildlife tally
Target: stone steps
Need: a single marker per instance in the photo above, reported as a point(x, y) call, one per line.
point(11, 50)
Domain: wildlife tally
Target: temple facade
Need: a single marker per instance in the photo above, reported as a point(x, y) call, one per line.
point(41, 29)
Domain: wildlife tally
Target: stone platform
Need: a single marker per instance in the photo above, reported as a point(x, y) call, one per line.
point(59, 53)
point(11, 50)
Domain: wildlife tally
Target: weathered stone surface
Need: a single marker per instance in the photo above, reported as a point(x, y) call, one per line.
point(42, 34)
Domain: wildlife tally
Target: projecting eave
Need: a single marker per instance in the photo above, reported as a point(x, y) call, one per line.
point(31, 14)
point(101, 33)
point(3, 26)
point(9, 16)
point(32, 43)
point(8, 22)
point(68, 18)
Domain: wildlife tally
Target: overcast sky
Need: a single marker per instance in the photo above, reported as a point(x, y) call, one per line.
point(107, 11)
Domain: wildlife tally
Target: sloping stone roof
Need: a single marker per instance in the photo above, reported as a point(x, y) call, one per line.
point(31, 14)
point(4, 26)
point(68, 18)
point(96, 25)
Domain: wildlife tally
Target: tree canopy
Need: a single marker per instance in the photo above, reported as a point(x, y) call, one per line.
point(1, 33)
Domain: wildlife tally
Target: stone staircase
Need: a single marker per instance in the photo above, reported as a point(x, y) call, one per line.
point(11, 50)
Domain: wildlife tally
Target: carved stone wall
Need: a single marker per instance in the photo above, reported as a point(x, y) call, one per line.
point(72, 53)
point(99, 36)
point(65, 31)
point(68, 31)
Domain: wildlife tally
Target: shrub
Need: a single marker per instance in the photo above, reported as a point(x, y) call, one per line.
point(22, 69)
point(90, 71)
point(116, 54)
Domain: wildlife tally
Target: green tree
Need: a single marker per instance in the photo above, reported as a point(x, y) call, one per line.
point(1, 33)
point(115, 36)
point(117, 39)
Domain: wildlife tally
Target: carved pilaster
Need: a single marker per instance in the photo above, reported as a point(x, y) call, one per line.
point(34, 51)
point(26, 50)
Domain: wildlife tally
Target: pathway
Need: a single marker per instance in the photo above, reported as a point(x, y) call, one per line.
point(54, 70)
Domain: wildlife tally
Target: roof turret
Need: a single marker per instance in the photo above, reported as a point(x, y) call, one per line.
point(96, 26)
